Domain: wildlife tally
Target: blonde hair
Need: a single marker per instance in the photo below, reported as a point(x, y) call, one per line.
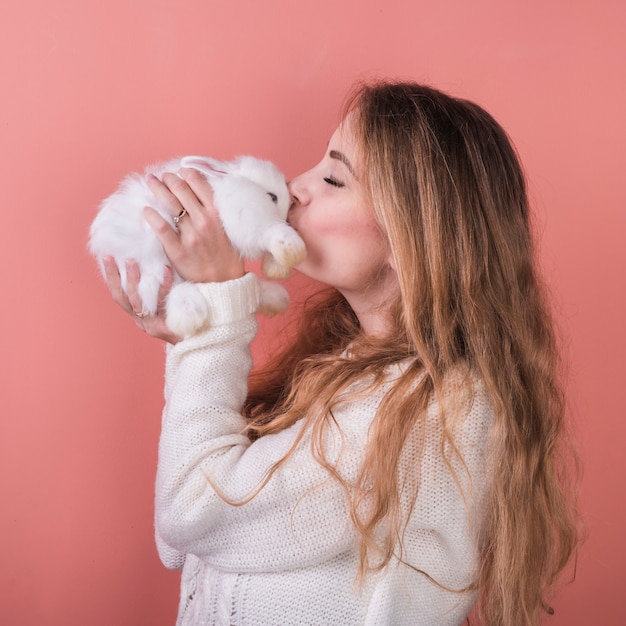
point(448, 190)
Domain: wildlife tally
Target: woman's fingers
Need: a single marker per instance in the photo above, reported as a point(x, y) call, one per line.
point(130, 300)
point(168, 281)
point(133, 277)
point(199, 185)
point(177, 197)
point(198, 249)
point(155, 325)
point(114, 283)
point(167, 192)
point(169, 238)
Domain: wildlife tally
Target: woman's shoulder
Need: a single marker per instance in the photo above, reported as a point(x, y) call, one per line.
point(461, 402)
point(464, 408)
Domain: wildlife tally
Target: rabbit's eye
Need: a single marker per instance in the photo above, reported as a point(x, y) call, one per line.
point(273, 196)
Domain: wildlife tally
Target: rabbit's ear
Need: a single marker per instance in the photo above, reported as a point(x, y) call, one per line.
point(209, 167)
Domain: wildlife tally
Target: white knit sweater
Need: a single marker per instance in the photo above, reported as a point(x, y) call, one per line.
point(288, 556)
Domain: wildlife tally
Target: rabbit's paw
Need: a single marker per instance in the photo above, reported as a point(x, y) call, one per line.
point(272, 269)
point(286, 249)
point(187, 310)
point(274, 298)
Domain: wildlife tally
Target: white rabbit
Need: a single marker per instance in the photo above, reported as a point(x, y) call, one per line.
point(252, 199)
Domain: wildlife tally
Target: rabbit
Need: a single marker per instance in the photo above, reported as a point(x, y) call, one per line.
point(252, 200)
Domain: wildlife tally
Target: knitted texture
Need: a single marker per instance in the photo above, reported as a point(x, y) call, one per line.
point(288, 556)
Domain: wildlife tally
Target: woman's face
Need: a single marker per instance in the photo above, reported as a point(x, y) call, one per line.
point(345, 246)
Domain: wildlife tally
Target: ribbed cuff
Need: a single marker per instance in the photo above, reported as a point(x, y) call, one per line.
point(232, 300)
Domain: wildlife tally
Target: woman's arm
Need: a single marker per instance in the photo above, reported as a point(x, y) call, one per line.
point(299, 517)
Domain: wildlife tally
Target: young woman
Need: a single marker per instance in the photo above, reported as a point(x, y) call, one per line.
point(403, 456)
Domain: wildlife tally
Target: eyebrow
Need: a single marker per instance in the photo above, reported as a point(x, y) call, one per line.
point(340, 156)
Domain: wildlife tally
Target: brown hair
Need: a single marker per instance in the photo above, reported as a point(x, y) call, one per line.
point(448, 191)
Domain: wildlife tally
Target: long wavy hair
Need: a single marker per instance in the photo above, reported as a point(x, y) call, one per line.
point(448, 190)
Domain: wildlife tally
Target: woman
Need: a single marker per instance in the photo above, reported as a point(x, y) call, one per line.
point(402, 456)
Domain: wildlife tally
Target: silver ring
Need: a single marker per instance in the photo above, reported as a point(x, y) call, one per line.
point(180, 216)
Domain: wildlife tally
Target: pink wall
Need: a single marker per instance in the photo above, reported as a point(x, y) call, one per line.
point(91, 90)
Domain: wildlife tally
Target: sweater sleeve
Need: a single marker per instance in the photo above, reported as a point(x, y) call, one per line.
point(211, 499)
point(208, 469)
point(441, 542)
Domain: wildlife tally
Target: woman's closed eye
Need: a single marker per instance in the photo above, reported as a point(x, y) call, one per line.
point(332, 181)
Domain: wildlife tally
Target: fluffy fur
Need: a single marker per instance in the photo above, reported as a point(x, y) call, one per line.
point(252, 199)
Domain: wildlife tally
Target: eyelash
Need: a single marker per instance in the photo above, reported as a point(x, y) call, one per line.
point(333, 182)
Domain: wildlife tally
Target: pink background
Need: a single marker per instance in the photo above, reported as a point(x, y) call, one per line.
point(92, 90)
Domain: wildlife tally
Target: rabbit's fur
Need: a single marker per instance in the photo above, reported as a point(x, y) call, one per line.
point(252, 199)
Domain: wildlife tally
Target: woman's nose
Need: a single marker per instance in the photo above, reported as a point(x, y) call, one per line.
point(297, 190)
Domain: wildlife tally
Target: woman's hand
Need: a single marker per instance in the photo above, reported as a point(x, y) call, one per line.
point(200, 251)
point(154, 325)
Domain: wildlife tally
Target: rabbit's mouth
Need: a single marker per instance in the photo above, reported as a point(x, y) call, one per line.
point(289, 216)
